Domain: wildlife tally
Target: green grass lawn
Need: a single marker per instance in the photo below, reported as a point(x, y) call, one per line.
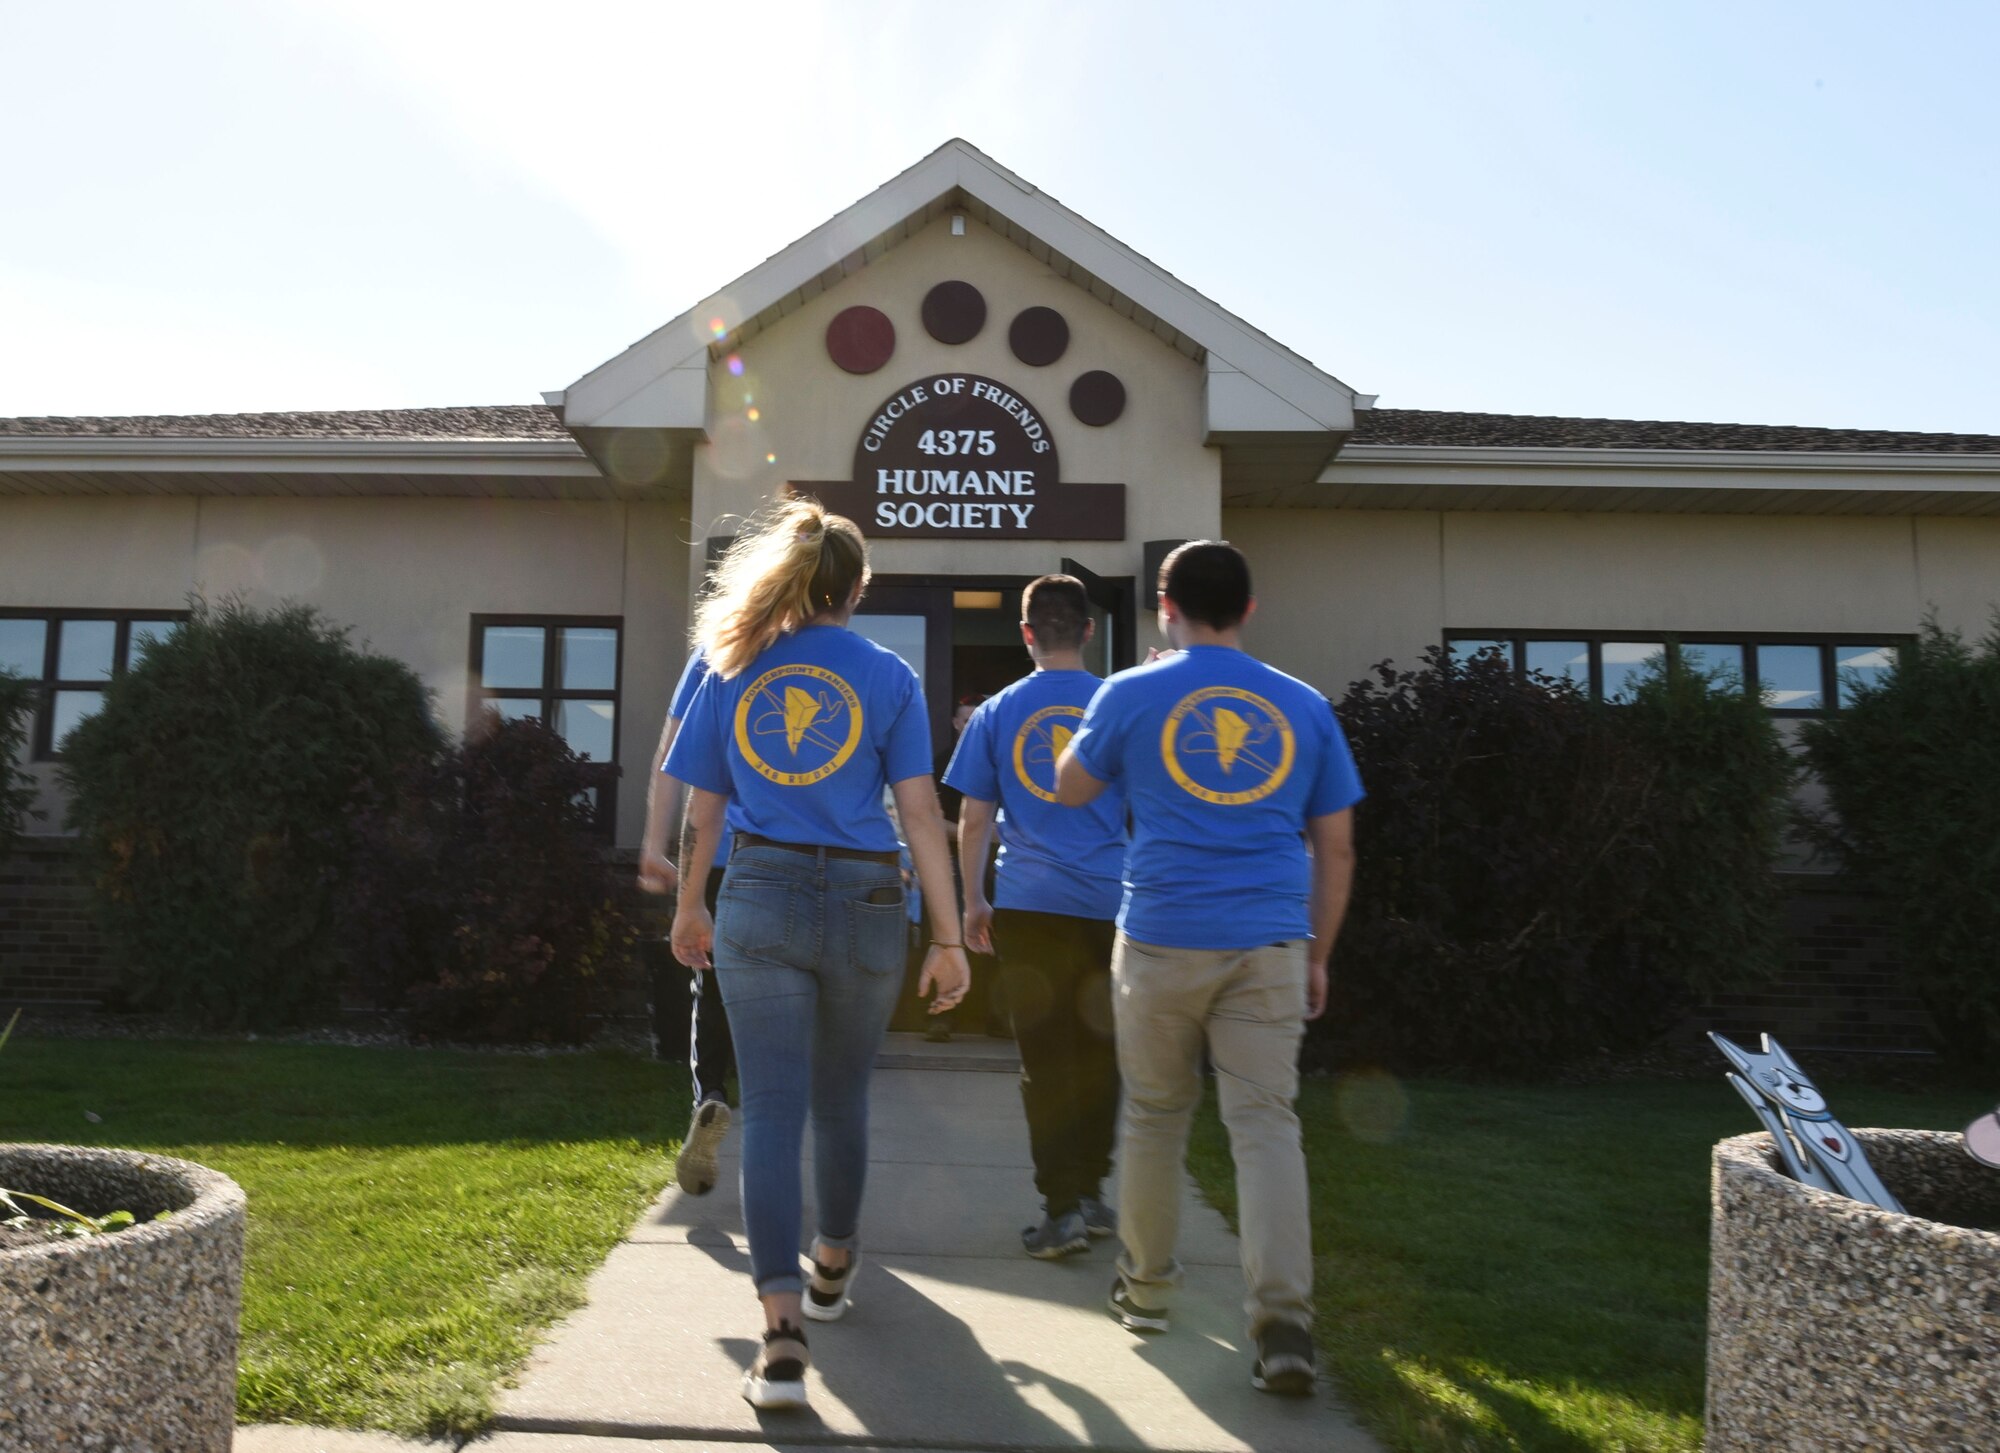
point(1525, 1268)
point(416, 1216)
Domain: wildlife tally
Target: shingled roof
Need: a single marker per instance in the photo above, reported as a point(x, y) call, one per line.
point(497, 422)
point(1532, 431)
point(1372, 426)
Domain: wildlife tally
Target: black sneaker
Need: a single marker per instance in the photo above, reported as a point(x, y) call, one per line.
point(828, 1291)
point(1098, 1219)
point(1056, 1237)
point(777, 1379)
point(1131, 1316)
point(1286, 1362)
point(694, 1167)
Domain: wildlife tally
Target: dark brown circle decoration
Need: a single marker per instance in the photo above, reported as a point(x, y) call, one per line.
point(1038, 337)
point(954, 312)
point(860, 339)
point(1097, 398)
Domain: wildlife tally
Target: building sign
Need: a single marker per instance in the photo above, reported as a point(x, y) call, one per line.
point(959, 457)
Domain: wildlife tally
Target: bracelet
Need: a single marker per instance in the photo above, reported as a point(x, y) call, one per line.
point(940, 943)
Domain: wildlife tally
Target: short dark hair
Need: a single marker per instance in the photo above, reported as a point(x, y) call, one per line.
point(1058, 609)
point(1210, 581)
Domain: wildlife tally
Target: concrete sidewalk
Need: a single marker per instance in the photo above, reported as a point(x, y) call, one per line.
point(956, 1339)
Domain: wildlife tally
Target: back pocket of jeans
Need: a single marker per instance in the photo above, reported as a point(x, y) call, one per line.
point(878, 930)
point(753, 916)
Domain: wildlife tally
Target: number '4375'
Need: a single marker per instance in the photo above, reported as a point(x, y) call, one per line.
point(958, 441)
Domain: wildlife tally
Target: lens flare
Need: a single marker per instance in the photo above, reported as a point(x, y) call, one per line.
point(770, 459)
point(735, 363)
point(1373, 1105)
point(754, 415)
point(717, 328)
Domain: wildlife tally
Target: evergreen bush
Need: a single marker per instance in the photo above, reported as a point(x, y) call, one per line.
point(484, 903)
point(1912, 773)
point(17, 793)
point(1502, 847)
point(213, 794)
point(1543, 876)
point(1713, 918)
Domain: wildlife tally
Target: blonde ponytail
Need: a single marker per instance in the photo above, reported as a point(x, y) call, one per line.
point(794, 564)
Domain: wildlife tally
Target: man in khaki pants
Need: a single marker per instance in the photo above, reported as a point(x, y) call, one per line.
point(1231, 768)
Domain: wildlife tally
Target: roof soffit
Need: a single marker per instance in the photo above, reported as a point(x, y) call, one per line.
point(661, 382)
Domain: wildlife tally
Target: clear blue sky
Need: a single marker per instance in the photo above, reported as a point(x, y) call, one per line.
point(1782, 212)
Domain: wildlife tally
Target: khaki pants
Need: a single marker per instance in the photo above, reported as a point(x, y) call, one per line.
point(1248, 1006)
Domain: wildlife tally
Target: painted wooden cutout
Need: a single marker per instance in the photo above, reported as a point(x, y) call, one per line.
point(1817, 1149)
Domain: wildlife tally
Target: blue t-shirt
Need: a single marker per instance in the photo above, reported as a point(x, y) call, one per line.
point(803, 740)
point(1224, 760)
point(1053, 859)
point(692, 675)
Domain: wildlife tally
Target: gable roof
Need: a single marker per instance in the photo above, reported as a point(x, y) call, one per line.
point(1258, 390)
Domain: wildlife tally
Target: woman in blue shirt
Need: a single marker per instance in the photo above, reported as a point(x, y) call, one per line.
point(792, 738)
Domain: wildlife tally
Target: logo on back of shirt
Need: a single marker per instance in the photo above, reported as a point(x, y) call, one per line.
point(798, 724)
point(1038, 744)
point(1227, 746)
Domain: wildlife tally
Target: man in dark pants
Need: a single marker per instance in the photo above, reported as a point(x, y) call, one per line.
point(711, 1054)
point(1057, 886)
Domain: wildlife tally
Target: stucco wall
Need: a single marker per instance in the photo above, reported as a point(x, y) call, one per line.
point(406, 574)
point(811, 413)
point(1341, 589)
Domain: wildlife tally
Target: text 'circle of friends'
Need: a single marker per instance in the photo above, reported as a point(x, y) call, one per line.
point(798, 724)
point(1227, 746)
point(1038, 745)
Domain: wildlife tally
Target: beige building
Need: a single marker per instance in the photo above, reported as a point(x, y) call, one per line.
point(994, 388)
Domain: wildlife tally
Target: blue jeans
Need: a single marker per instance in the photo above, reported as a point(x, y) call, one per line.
point(809, 956)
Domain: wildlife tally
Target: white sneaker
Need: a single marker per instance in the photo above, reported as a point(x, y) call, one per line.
point(777, 1379)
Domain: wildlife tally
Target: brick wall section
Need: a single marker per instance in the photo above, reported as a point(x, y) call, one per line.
point(1842, 987)
point(50, 951)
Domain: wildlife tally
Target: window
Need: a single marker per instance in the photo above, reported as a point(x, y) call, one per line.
point(563, 670)
point(1796, 675)
point(72, 654)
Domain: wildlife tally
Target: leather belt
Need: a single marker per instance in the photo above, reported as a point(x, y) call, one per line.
point(753, 840)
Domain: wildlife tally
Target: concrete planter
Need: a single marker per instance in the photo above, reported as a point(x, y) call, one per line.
point(1834, 1326)
point(126, 1341)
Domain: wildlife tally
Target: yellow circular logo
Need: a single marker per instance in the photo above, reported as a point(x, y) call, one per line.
point(798, 724)
point(1227, 746)
point(1038, 744)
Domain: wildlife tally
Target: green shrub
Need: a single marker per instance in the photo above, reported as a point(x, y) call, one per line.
point(17, 794)
point(213, 794)
point(1713, 919)
point(1503, 848)
point(1912, 774)
point(1542, 876)
point(484, 903)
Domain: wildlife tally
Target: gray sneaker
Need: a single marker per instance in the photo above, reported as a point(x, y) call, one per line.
point(694, 1167)
point(1131, 1316)
point(1098, 1219)
point(1056, 1237)
point(1285, 1360)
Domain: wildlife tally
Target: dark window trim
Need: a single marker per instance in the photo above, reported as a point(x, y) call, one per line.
point(548, 693)
point(40, 747)
point(1828, 643)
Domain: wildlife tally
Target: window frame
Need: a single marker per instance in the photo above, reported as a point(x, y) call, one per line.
point(1829, 644)
point(550, 692)
point(41, 747)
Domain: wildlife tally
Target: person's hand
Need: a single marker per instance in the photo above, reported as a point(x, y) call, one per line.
point(977, 929)
point(945, 978)
point(656, 874)
point(1316, 988)
point(1154, 653)
point(694, 933)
